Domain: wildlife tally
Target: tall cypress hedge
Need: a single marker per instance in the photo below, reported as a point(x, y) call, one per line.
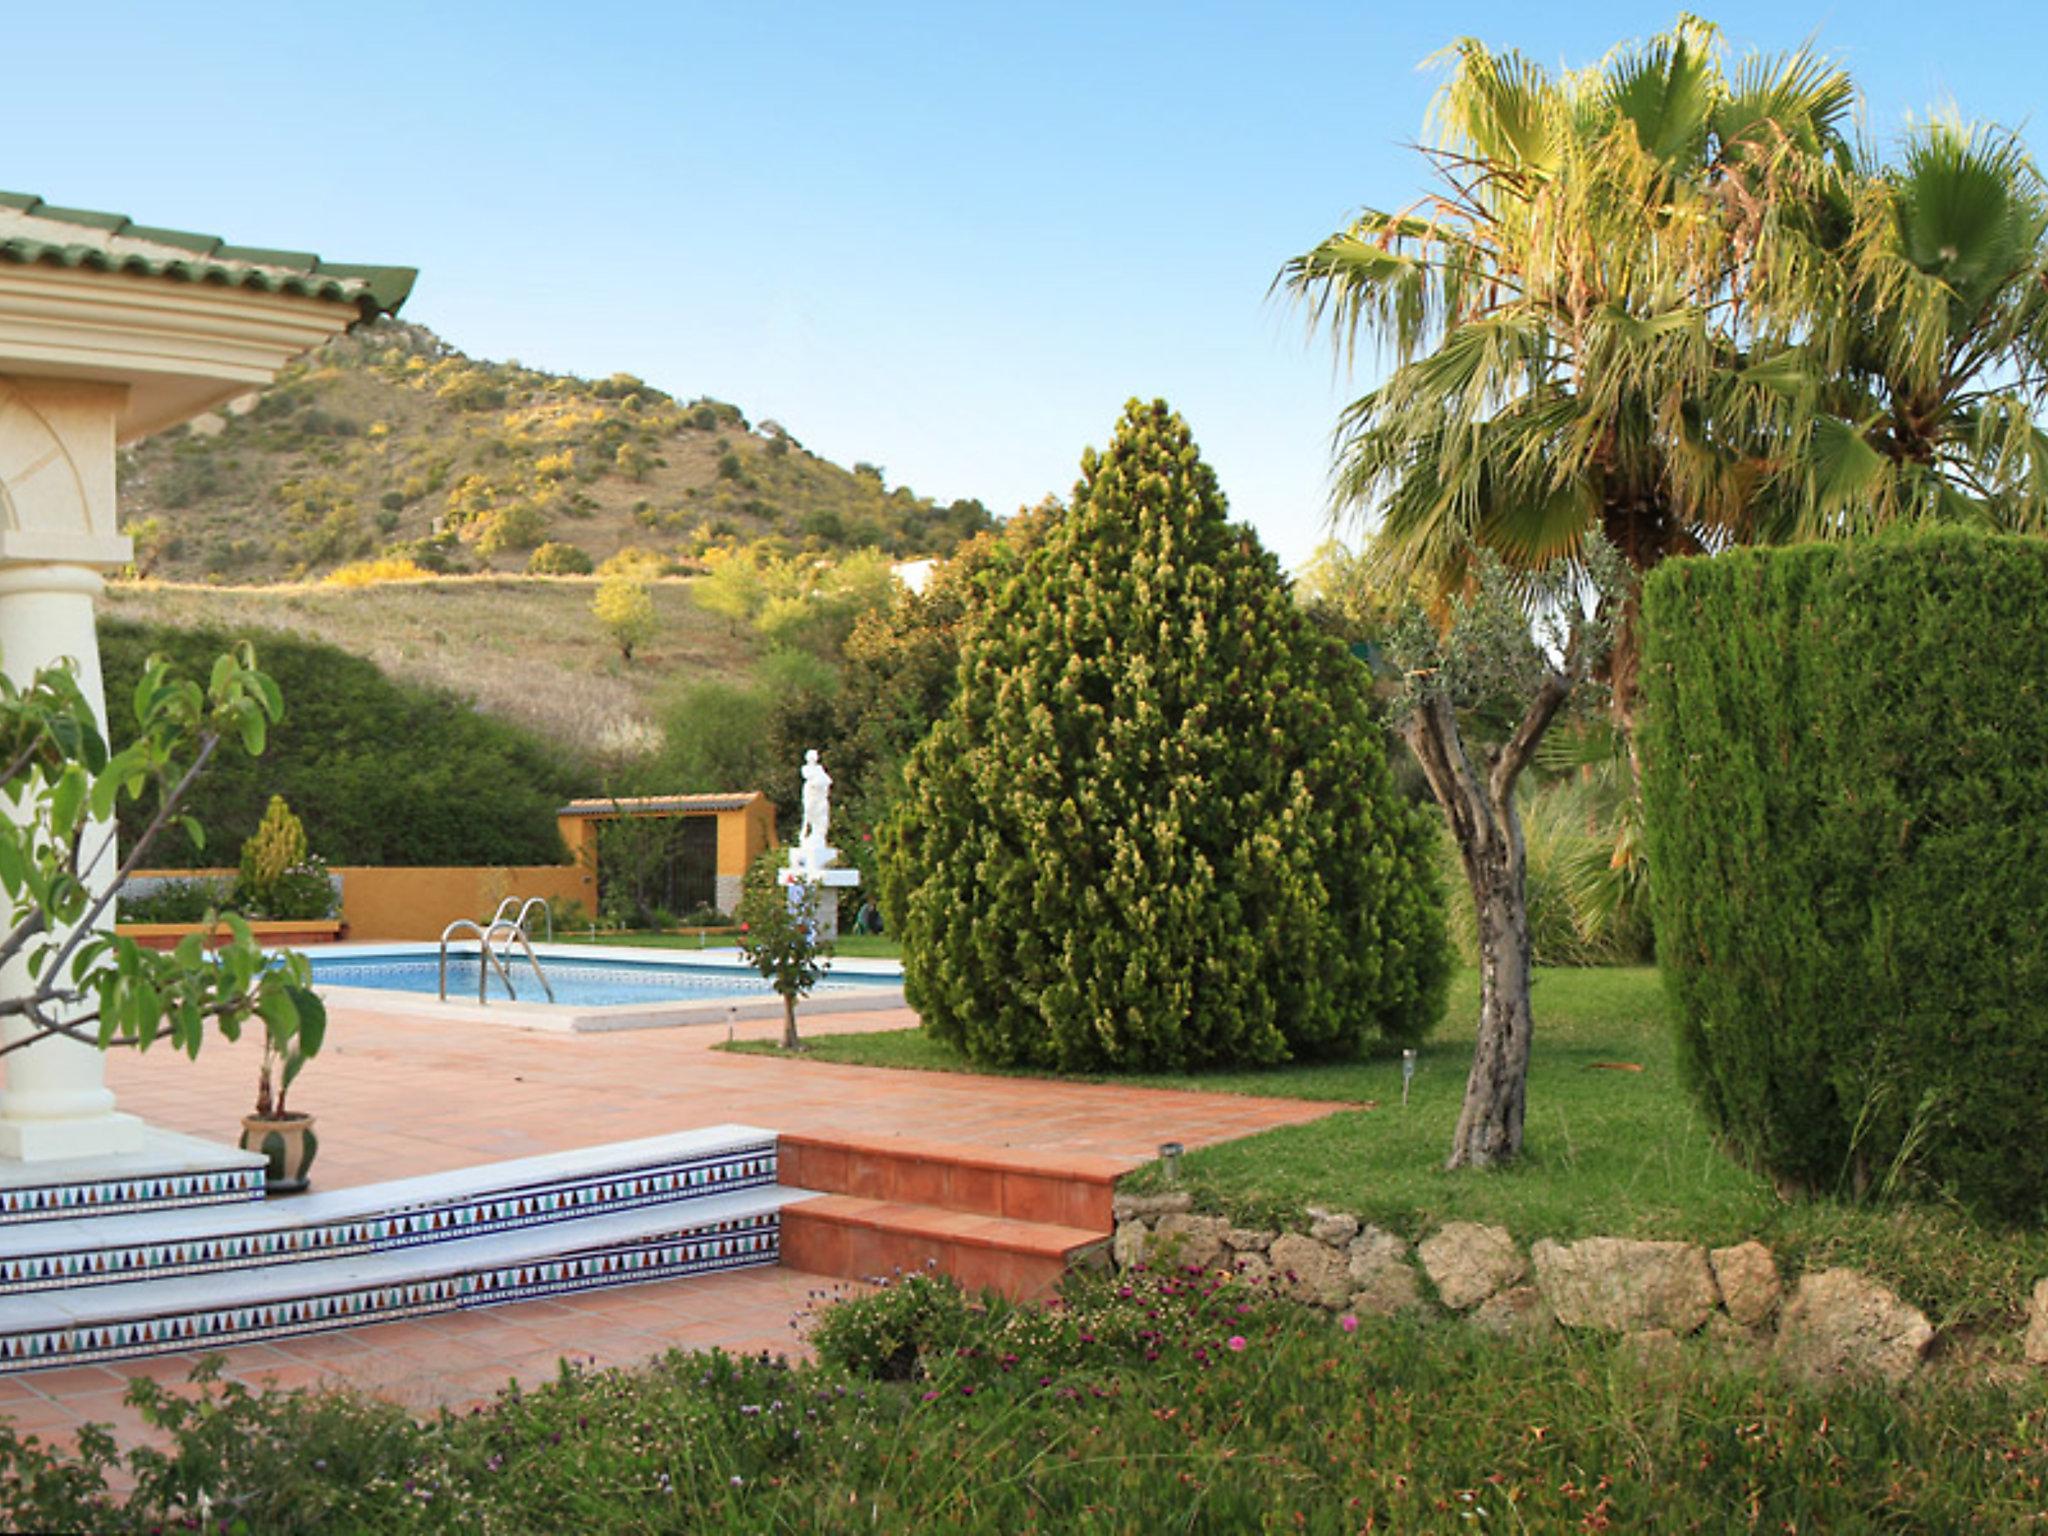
point(1155, 828)
point(1845, 779)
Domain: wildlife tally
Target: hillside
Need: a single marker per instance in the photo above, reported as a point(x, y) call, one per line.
point(390, 441)
point(523, 648)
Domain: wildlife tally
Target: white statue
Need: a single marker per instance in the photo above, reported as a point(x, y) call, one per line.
point(817, 809)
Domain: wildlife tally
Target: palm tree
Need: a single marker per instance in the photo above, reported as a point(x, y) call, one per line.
point(1917, 387)
point(1571, 312)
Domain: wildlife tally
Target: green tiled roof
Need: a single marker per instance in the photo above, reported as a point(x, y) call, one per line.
point(32, 231)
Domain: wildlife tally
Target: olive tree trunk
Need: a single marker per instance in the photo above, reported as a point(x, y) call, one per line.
point(1488, 831)
point(790, 1042)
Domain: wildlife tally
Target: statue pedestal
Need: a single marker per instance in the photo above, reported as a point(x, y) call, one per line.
point(820, 867)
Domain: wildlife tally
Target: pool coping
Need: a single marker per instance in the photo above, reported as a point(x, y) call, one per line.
point(585, 1019)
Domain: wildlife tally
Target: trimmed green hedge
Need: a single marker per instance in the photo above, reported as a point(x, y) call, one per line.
point(381, 772)
point(1155, 827)
point(1845, 776)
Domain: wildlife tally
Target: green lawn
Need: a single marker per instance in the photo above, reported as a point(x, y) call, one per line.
point(855, 946)
point(1609, 1151)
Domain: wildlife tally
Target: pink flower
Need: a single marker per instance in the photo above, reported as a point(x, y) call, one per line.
point(1348, 1323)
point(1236, 1342)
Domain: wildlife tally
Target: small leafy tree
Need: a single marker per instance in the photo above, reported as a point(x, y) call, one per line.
point(625, 609)
point(1483, 665)
point(60, 785)
point(779, 936)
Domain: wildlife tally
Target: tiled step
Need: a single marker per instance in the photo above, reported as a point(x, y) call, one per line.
point(171, 1171)
point(855, 1238)
point(143, 1317)
point(1072, 1190)
point(672, 1171)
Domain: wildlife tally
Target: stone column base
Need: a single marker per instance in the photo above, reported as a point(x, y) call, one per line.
point(40, 1141)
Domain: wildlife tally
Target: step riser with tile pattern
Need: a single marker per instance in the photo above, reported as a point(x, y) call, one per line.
point(712, 1248)
point(288, 1231)
point(661, 1208)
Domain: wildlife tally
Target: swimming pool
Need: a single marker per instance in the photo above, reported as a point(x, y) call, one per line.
point(603, 990)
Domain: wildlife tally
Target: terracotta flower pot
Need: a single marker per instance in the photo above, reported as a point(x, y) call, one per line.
point(290, 1145)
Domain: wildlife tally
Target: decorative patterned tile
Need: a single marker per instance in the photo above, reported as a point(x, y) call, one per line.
point(732, 1244)
point(150, 1192)
point(81, 1260)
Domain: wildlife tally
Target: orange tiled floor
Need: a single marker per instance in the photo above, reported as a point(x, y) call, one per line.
point(400, 1095)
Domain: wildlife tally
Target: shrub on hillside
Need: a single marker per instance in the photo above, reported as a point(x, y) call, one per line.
point(1155, 827)
point(383, 772)
point(1845, 756)
point(556, 558)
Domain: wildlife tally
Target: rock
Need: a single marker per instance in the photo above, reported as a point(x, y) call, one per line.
point(1249, 1239)
point(1840, 1323)
point(1139, 1207)
point(1310, 1271)
point(1382, 1280)
point(2037, 1325)
point(1372, 1251)
point(1254, 1268)
point(1190, 1242)
point(1127, 1248)
point(1747, 1276)
point(1467, 1263)
point(1394, 1289)
point(1333, 1228)
point(1623, 1285)
point(1517, 1312)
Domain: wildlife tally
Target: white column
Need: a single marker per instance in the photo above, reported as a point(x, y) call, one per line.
point(56, 535)
point(56, 1102)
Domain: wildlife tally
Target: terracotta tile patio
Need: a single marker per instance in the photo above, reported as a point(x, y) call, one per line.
point(399, 1095)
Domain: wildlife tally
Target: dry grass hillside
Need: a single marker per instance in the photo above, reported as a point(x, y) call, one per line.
point(390, 442)
point(524, 649)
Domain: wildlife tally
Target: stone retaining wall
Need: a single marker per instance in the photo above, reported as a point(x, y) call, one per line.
point(1828, 1322)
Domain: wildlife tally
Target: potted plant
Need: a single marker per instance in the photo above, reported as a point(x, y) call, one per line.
point(282, 1135)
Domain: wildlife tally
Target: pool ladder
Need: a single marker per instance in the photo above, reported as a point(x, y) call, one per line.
point(489, 935)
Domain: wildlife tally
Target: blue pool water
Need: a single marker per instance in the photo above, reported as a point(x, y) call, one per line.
point(579, 982)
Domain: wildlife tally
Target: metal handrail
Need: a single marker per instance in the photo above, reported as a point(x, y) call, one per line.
point(546, 911)
point(519, 934)
point(485, 960)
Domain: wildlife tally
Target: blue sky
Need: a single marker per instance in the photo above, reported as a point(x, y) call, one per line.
point(951, 240)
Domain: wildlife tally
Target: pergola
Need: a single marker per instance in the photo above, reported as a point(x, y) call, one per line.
point(110, 331)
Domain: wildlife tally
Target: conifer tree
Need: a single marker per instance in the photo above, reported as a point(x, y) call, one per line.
point(1156, 827)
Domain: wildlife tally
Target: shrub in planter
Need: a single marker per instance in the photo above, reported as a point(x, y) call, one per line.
point(1155, 827)
point(279, 878)
point(1845, 770)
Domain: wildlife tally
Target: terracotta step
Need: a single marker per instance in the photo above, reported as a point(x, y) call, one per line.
point(853, 1238)
point(1068, 1190)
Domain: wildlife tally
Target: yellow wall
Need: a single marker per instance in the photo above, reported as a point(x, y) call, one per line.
point(393, 903)
point(743, 836)
point(419, 903)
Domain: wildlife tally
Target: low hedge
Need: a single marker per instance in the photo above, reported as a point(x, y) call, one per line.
point(1845, 779)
